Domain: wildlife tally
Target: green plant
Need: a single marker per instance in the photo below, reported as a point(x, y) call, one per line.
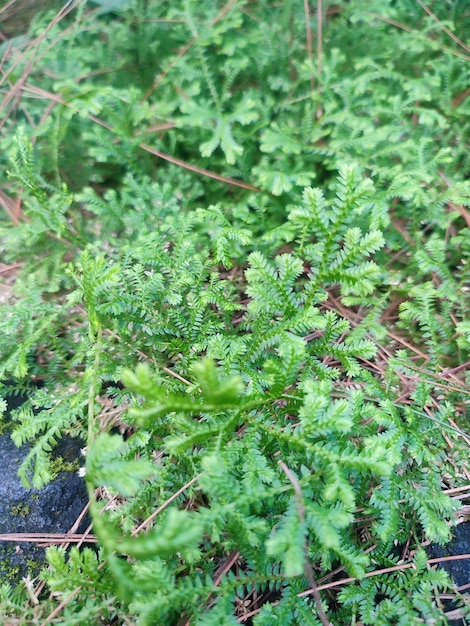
point(262, 341)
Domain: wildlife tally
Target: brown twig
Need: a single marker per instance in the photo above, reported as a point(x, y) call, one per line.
point(44, 540)
point(309, 39)
point(408, 29)
point(162, 155)
point(299, 499)
point(62, 605)
point(145, 524)
point(443, 26)
point(320, 38)
point(345, 581)
point(225, 9)
point(11, 207)
point(199, 170)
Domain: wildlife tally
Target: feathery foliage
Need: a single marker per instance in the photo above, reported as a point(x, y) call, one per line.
point(239, 273)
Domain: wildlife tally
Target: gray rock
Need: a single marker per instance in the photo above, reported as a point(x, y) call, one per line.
point(52, 509)
point(458, 570)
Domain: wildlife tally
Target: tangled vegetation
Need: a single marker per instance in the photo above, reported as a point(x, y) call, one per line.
point(235, 262)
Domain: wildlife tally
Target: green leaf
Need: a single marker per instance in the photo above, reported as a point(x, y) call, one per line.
point(178, 532)
point(214, 388)
point(288, 542)
point(326, 522)
point(106, 465)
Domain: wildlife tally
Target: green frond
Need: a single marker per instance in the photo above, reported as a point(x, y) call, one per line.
point(249, 259)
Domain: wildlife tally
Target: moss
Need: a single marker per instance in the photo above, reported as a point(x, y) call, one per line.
point(20, 510)
point(5, 427)
point(15, 563)
point(33, 567)
point(60, 464)
point(9, 573)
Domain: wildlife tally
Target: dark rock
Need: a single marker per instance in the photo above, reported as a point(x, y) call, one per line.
point(458, 570)
point(52, 509)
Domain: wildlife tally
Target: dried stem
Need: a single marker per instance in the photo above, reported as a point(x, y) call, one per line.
point(308, 36)
point(299, 499)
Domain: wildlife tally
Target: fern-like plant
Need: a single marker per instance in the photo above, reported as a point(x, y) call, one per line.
point(236, 267)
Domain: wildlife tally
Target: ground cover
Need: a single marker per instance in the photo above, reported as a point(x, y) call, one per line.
point(234, 248)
